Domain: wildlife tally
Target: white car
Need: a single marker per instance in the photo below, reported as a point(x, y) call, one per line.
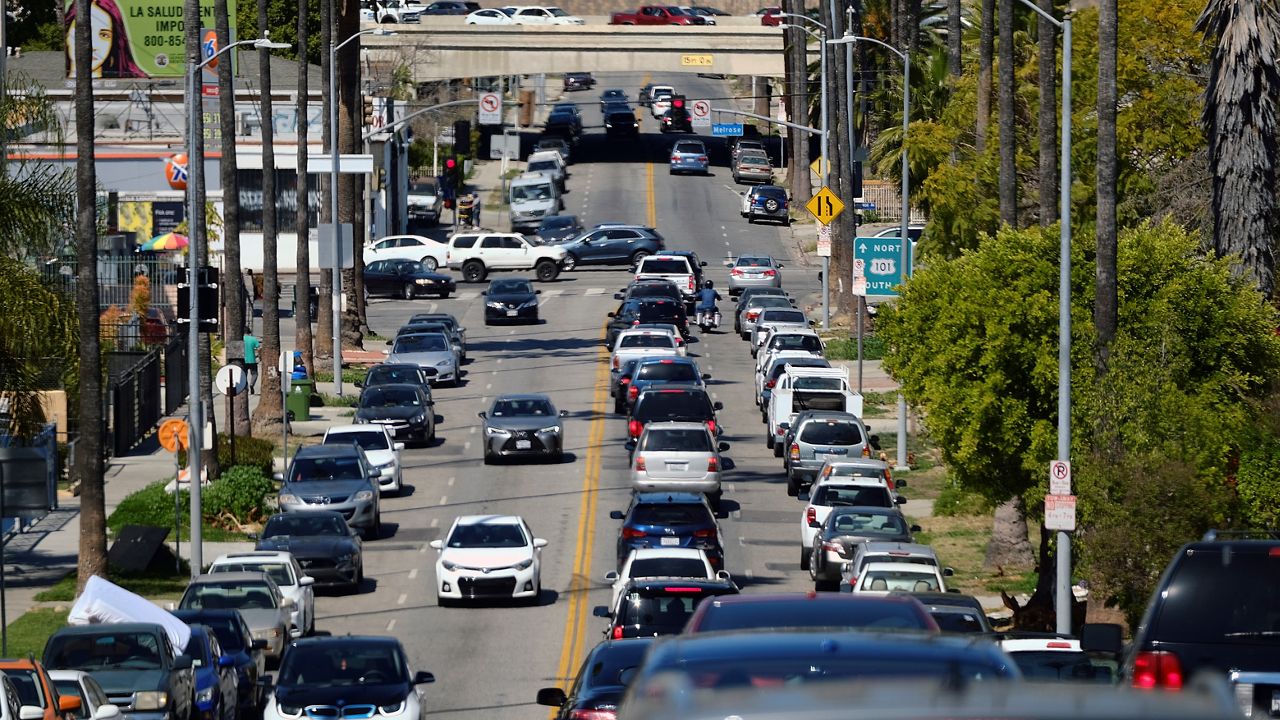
point(543, 15)
point(788, 338)
point(431, 253)
point(379, 448)
point(778, 320)
point(1052, 658)
point(861, 468)
point(677, 457)
point(93, 699)
point(489, 556)
point(281, 567)
point(903, 577)
point(874, 551)
point(660, 105)
point(681, 349)
point(827, 493)
point(662, 562)
point(643, 343)
point(489, 16)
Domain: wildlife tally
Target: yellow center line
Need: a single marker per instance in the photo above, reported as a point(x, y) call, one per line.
point(651, 206)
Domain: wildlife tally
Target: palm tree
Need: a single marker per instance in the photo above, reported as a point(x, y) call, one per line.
point(38, 325)
point(302, 283)
point(1048, 118)
point(954, 45)
point(324, 308)
point(88, 468)
point(349, 130)
point(1105, 299)
point(986, 56)
point(234, 299)
point(1008, 137)
point(268, 413)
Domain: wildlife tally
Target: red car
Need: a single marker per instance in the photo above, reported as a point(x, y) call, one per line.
point(770, 16)
point(811, 610)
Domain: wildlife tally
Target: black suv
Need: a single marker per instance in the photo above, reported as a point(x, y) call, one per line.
point(1216, 609)
point(673, 403)
point(563, 123)
point(659, 606)
point(677, 119)
point(648, 310)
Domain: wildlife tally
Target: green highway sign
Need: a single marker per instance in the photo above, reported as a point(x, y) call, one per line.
point(877, 266)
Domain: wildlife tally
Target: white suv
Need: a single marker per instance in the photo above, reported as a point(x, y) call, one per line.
point(476, 254)
point(288, 575)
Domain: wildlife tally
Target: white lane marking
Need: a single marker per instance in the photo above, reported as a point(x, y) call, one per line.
point(473, 429)
point(737, 514)
point(749, 574)
point(435, 522)
point(552, 293)
point(489, 386)
point(469, 295)
point(413, 573)
point(499, 361)
point(432, 307)
point(511, 332)
point(742, 541)
point(444, 499)
point(732, 488)
point(594, 291)
point(391, 624)
point(466, 445)
point(451, 481)
point(400, 600)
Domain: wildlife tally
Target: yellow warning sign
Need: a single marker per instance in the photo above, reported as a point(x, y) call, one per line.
point(820, 166)
point(825, 206)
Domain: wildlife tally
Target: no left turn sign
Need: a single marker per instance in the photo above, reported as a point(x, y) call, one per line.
point(701, 112)
point(490, 109)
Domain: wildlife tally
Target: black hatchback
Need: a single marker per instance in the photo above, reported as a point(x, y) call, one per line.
point(602, 680)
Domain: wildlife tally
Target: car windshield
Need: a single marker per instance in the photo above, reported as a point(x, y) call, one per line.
point(422, 188)
point(1057, 665)
point(304, 524)
point(365, 440)
point(663, 614)
point(668, 567)
point(557, 12)
point(538, 165)
point(678, 405)
point(421, 343)
point(665, 266)
point(238, 595)
point(783, 316)
point(754, 261)
point(957, 622)
point(865, 524)
point(808, 343)
point(386, 396)
point(342, 663)
point(28, 686)
point(831, 432)
point(833, 496)
point(1192, 610)
point(487, 535)
point(816, 612)
point(669, 372)
point(818, 383)
point(277, 571)
point(525, 407)
point(558, 222)
point(307, 469)
point(104, 651)
point(670, 514)
point(505, 287)
point(691, 440)
point(540, 191)
point(655, 340)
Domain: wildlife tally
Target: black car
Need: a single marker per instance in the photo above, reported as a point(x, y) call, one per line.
point(621, 123)
point(510, 299)
point(398, 374)
point(613, 95)
point(451, 7)
point(1214, 610)
point(236, 641)
point(579, 81)
point(321, 541)
point(563, 123)
point(405, 278)
point(650, 288)
point(650, 607)
point(614, 245)
point(678, 120)
point(601, 680)
point(406, 410)
point(650, 310)
point(673, 403)
point(659, 519)
point(558, 228)
point(348, 676)
point(621, 382)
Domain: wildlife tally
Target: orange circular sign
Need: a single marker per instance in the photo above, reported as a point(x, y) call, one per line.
point(175, 171)
point(174, 434)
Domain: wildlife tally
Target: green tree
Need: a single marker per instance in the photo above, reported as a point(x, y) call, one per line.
point(37, 329)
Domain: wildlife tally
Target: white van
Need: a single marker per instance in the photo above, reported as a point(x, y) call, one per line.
point(533, 196)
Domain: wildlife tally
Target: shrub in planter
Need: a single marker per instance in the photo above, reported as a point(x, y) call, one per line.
point(238, 498)
point(149, 506)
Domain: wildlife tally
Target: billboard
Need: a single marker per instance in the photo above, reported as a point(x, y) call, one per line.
point(139, 38)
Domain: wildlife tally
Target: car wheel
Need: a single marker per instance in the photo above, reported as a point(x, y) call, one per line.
point(444, 295)
point(546, 270)
point(473, 271)
point(488, 458)
point(619, 408)
point(430, 263)
point(768, 440)
point(638, 255)
point(804, 558)
point(409, 291)
point(825, 585)
point(793, 488)
point(777, 449)
point(570, 262)
point(751, 219)
point(745, 335)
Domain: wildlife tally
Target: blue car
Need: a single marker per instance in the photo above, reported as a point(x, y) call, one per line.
point(689, 156)
point(236, 642)
point(216, 679)
point(669, 520)
point(652, 371)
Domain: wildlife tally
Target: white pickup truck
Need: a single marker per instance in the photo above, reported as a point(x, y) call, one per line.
point(807, 388)
point(676, 268)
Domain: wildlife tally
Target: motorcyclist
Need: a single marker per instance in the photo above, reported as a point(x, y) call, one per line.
point(707, 298)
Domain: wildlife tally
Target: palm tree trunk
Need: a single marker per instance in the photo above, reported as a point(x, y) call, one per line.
point(199, 231)
point(1009, 548)
point(302, 279)
point(954, 33)
point(349, 102)
point(842, 168)
point(1105, 299)
point(1008, 139)
point(88, 468)
point(798, 103)
point(911, 26)
point(986, 57)
point(268, 412)
point(235, 297)
point(324, 308)
point(1048, 44)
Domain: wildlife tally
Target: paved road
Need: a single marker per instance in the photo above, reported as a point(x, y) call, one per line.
point(491, 660)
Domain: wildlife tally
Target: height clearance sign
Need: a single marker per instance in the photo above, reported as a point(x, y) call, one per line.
point(139, 38)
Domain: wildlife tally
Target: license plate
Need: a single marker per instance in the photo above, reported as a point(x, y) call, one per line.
point(511, 313)
point(678, 467)
point(670, 541)
point(523, 444)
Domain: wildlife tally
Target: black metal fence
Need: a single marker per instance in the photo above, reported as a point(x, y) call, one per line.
point(175, 374)
point(135, 401)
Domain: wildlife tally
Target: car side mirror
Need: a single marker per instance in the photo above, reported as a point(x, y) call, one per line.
point(702, 264)
point(287, 604)
point(723, 575)
point(564, 413)
point(436, 544)
point(1102, 638)
point(630, 445)
point(226, 661)
point(611, 576)
point(360, 383)
point(616, 296)
point(537, 292)
point(539, 542)
point(899, 484)
point(916, 528)
point(611, 314)
point(722, 446)
point(552, 696)
point(258, 644)
point(429, 372)
point(182, 662)
point(400, 446)
point(601, 611)
point(484, 293)
point(780, 265)
point(706, 376)
point(875, 441)
point(306, 581)
point(70, 703)
point(948, 572)
point(717, 405)
point(422, 677)
point(900, 500)
point(386, 352)
point(391, 342)
point(106, 712)
point(784, 426)
point(616, 515)
point(279, 477)
point(815, 524)
point(481, 415)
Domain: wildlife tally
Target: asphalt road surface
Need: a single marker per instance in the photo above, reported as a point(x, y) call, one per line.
point(491, 660)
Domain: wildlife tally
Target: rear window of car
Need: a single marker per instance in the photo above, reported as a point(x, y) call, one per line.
point(831, 496)
point(808, 343)
point(781, 367)
point(899, 580)
point(668, 567)
point(671, 372)
point(691, 148)
point(659, 613)
point(1056, 665)
point(650, 312)
point(665, 266)
point(1192, 609)
point(677, 441)
point(760, 302)
point(670, 514)
point(817, 383)
point(830, 432)
point(754, 261)
point(648, 341)
point(811, 613)
point(958, 622)
point(772, 192)
point(678, 405)
point(786, 316)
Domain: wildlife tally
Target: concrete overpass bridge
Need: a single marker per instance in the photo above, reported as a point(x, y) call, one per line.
point(441, 51)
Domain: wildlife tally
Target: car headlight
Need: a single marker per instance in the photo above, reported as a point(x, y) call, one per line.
point(288, 499)
point(289, 710)
point(496, 431)
point(359, 420)
point(550, 429)
point(495, 305)
point(363, 495)
point(524, 564)
point(205, 695)
point(150, 700)
point(448, 565)
point(445, 363)
point(393, 709)
point(420, 417)
point(345, 559)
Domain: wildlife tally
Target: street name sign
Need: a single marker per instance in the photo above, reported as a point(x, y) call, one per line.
point(726, 130)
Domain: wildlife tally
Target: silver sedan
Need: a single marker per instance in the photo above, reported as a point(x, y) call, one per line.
point(753, 271)
point(522, 425)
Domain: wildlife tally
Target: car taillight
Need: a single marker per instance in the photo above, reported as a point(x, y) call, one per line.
point(832, 546)
point(735, 272)
point(702, 158)
point(691, 287)
point(616, 362)
point(795, 451)
point(624, 380)
point(713, 464)
point(1157, 669)
point(810, 515)
point(753, 314)
point(866, 451)
point(631, 533)
point(705, 533)
point(635, 322)
point(617, 633)
point(674, 158)
point(640, 463)
point(711, 425)
point(769, 273)
point(634, 427)
point(770, 384)
point(596, 714)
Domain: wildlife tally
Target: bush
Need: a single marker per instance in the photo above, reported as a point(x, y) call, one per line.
point(149, 506)
point(847, 348)
point(237, 497)
point(251, 451)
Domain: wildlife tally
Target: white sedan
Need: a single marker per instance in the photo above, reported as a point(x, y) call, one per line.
point(430, 253)
point(489, 16)
point(382, 452)
point(662, 562)
point(543, 15)
point(489, 557)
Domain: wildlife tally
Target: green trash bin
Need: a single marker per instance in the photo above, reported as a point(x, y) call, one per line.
point(298, 402)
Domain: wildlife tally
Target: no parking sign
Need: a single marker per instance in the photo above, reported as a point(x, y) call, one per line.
point(700, 110)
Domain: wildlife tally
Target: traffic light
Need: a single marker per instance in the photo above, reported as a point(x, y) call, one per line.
point(368, 111)
point(207, 295)
point(452, 175)
point(462, 137)
point(677, 102)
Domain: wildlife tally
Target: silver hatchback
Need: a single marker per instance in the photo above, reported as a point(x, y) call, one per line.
point(753, 271)
point(333, 477)
point(677, 457)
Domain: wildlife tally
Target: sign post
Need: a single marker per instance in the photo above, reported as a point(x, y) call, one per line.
point(490, 108)
point(174, 435)
point(700, 111)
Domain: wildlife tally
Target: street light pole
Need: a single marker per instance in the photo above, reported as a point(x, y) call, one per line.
point(336, 286)
point(195, 208)
point(904, 238)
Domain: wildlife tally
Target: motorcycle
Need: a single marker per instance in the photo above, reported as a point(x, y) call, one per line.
point(709, 320)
